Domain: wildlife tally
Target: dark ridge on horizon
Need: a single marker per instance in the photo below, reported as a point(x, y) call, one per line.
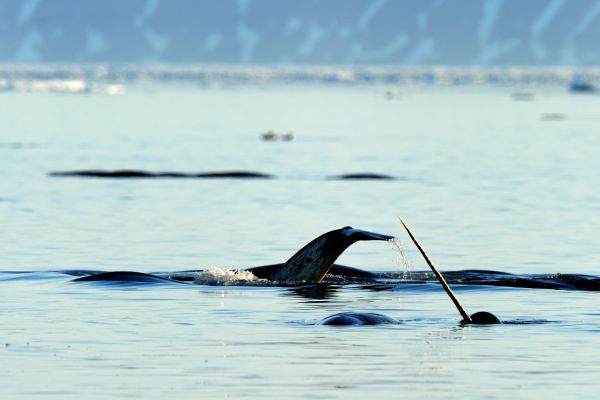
point(139, 174)
point(361, 177)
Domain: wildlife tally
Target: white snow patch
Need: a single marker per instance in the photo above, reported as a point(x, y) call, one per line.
point(29, 49)
point(569, 55)
point(491, 10)
point(249, 39)
point(158, 42)
point(423, 22)
point(26, 11)
point(243, 6)
point(292, 25)
point(494, 50)
point(541, 24)
point(359, 54)
point(212, 41)
point(147, 12)
point(589, 17)
point(344, 32)
point(313, 37)
point(370, 12)
point(422, 52)
point(96, 43)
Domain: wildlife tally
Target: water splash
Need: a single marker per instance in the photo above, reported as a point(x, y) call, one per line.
point(401, 259)
point(228, 277)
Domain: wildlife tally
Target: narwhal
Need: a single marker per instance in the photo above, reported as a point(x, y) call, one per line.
point(481, 317)
point(310, 264)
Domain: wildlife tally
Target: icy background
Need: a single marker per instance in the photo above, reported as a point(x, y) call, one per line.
point(465, 32)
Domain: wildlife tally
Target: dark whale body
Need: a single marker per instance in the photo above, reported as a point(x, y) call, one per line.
point(138, 174)
point(310, 264)
point(366, 176)
point(141, 174)
point(353, 318)
point(482, 318)
point(124, 276)
point(266, 271)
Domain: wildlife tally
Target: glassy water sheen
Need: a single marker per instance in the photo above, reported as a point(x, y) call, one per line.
point(486, 182)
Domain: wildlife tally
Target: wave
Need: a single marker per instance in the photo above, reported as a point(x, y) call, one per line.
point(228, 277)
point(341, 276)
point(505, 279)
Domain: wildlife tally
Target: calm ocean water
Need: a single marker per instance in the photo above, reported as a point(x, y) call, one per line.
point(485, 181)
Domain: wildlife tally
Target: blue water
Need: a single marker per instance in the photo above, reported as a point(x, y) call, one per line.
point(486, 182)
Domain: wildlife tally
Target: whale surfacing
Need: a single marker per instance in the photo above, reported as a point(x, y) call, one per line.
point(312, 262)
point(354, 318)
point(309, 265)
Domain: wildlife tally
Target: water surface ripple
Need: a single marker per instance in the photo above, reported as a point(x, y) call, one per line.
point(503, 194)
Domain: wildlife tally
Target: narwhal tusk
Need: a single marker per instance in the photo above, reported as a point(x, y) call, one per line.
point(461, 309)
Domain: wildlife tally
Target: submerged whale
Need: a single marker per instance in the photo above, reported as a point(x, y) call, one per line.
point(310, 264)
point(481, 318)
point(355, 318)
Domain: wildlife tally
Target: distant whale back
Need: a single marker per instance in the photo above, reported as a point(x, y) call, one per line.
point(126, 173)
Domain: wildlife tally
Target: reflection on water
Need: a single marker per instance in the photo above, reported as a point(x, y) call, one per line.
point(318, 291)
point(224, 334)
